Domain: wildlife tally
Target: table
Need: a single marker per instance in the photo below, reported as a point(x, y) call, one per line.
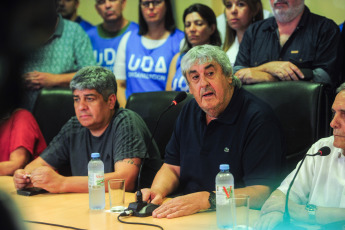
point(72, 209)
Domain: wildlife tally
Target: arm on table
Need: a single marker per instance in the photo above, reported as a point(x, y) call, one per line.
point(18, 159)
point(44, 176)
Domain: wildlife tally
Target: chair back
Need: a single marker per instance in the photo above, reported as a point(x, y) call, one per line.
point(303, 109)
point(53, 108)
point(150, 105)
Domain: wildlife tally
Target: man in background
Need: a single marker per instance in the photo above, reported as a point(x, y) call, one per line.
point(68, 10)
point(64, 50)
point(105, 37)
point(293, 45)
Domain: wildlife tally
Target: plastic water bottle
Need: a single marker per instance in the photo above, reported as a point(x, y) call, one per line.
point(96, 182)
point(226, 209)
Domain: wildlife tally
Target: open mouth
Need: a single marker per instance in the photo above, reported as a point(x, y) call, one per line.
point(208, 94)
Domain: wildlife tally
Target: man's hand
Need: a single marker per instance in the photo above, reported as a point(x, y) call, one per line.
point(183, 205)
point(252, 76)
point(38, 80)
point(151, 196)
point(46, 178)
point(269, 221)
point(283, 70)
point(21, 179)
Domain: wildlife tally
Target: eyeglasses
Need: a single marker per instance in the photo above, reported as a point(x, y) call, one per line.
point(146, 4)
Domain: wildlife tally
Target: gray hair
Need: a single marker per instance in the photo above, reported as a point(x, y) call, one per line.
point(208, 53)
point(95, 77)
point(341, 88)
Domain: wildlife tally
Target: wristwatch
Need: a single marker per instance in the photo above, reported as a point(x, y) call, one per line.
point(311, 209)
point(212, 200)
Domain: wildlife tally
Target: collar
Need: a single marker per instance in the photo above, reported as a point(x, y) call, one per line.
point(108, 34)
point(78, 19)
point(231, 112)
point(273, 26)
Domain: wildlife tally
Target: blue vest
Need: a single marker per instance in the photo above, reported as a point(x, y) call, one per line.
point(105, 49)
point(179, 82)
point(147, 69)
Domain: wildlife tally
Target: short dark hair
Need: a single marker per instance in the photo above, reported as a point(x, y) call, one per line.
point(169, 21)
point(95, 77)
point(209, 16)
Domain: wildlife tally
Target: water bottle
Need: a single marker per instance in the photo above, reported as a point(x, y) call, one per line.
point(96, 183)
point(226, 209)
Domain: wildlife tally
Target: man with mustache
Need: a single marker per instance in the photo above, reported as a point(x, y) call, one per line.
point(105, 37)
point(119, 135)
point(317, 195)
point(224, 124)
point(293, 45)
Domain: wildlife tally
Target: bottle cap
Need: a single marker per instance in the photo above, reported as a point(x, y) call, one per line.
point(224, 167)
point(94, 155)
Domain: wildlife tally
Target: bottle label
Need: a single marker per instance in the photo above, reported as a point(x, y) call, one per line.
point(224, 193)
point(96, 179)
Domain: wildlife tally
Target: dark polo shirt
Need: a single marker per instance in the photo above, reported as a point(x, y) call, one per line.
point(247, 136)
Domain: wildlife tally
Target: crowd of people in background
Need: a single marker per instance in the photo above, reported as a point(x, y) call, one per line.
point(104, 64)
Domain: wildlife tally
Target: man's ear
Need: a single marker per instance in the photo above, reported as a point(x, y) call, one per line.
point(112, 101)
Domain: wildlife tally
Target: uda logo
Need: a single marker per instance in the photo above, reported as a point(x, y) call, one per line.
point(107, 57)
point(147, 64)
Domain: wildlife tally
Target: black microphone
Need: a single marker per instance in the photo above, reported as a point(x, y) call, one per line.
point(324, 151)
point(141, 208)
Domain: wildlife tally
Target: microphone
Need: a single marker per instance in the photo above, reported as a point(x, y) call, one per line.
point(324, 151)
point(141, 208)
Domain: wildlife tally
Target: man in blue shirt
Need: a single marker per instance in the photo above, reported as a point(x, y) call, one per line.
point(68, 10)
point(293, 45)
point(225, 124)
point(105, 37)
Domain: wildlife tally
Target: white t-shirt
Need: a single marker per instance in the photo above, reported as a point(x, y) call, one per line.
point(321, 179)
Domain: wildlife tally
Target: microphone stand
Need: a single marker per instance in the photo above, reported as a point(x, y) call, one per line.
point(140, 204)
point(286, 216)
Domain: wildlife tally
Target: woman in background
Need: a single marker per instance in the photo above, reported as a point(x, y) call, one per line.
point(200, 27)
point(239, 15)
point(143, 57)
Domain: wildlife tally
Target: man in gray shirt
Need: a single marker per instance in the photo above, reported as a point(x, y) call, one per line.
point(119, 135)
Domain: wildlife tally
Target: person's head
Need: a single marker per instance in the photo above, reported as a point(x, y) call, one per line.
point(200, 27)
point(110, 10)
point(208, 72)
point(68, 8)
point(338, 121)
point(94, 92)
point(155, 11)
point(239, 15)
point(286, 10)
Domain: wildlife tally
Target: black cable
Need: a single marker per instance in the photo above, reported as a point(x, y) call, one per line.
point(125, 222)
point(55, 225)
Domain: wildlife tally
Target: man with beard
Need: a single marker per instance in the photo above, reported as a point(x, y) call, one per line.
point(293, 45)
point(105, 37)
point(68, 10)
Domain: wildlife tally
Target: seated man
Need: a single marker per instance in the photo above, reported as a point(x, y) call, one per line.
point(293, 45)
point(225, 124)
point(21, 140)
point(319, 183)
point(119, 135)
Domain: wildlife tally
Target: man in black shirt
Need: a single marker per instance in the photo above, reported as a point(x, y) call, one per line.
point(293, 45)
